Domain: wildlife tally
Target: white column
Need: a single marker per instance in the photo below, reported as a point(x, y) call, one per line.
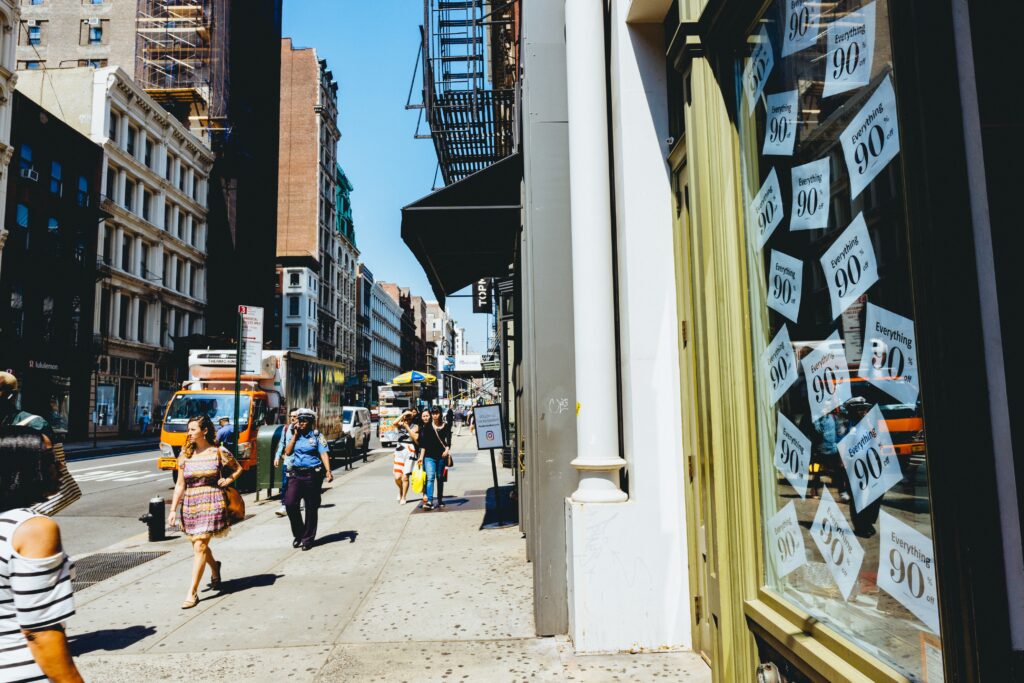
point(96, 310)
point(116, 247)
point(115, 314)
point(172, 325)
point(597, 457)
point(133, 320)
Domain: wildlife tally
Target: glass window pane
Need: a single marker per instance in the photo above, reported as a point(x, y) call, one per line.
point(841, 429)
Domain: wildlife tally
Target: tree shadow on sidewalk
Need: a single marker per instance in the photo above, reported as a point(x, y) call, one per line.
point(337, 536)
point(109, 639)
point(242, 583)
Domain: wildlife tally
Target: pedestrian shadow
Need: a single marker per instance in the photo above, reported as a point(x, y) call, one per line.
point(228, 586)
point(337, 536)
point(109, 639)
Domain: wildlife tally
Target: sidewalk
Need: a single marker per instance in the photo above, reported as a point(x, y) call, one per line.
point(83, 449)
point(390, 593)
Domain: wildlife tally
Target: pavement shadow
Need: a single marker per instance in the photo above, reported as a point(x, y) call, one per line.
point(501, 511)
point(109, 639)
point(338, 536)
point(228, 586)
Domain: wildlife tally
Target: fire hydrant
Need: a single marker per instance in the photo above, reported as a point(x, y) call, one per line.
point(155, 519)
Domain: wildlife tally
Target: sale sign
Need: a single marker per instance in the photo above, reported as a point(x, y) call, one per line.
point(828, 379)
point(786, 540)
point(838, 546)
point(906, 568)
point(889, 359)
point(811, 195)
point(850, 46)
point(792, 454)
point(850, 266)
point(801, 30)
point(785, 281)
point(778, 364)
point(758, 68)
point(872, 138)
point(869, 459)
point(765, 211)
point(780, 126)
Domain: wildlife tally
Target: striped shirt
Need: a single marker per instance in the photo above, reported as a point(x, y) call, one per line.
point(34, 593)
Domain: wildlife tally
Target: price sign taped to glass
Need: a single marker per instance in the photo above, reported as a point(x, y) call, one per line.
point(906, 569)
point(811, 195)
point(828, 379)
point(850, 44)
point(835, 540)
point(778, 363)
point(758, 68)
point(787, 540)
point(765, 211)
point(785, 281)
point(792, 454)
point(801, 31)
point(849, 265)
point(780, 126)
point(869, 459)
point(889, 359)
point(872, 139)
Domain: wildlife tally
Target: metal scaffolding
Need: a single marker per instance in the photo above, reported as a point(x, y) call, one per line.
point(182, 50)
point(470, 68)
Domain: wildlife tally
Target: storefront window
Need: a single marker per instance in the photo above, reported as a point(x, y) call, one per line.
point(143, 403)
point(106, 404)
point(841, 431)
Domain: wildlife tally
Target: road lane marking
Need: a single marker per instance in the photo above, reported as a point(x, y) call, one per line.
point(104, 467)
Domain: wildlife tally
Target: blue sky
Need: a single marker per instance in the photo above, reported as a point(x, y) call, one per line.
point(371, 47)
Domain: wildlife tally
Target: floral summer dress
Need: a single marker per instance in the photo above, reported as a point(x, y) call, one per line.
point(203, 507)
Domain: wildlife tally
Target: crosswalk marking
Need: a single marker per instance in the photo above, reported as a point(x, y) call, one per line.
point(117, 475)
point(75, 471)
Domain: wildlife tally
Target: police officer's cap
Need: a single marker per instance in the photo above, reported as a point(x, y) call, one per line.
point(306, 414)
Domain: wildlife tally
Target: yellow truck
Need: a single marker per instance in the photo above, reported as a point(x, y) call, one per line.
point(286, 381)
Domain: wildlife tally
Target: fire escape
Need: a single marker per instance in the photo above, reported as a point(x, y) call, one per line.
point(469, 53)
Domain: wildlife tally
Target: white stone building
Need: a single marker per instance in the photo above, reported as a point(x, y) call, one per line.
point(152, 249)
point(299, 287)
point(9, 16)
point(386, 336)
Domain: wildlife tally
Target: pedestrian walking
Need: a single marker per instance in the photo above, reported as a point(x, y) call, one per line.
point(293, 421)
point(144, 422)
point(35, 573)
point(200, 491)
point(11, 415)
point(435, 449)
point(311, 463)
point(405, 459)
point(471, 421)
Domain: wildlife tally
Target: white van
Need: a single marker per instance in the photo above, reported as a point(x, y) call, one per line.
point(355, 421)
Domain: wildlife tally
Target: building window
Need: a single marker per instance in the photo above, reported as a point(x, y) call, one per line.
point(56, 186)
point(179, 279)
point(147, 152)
point(293, 336)
point(144, 260)
point(111, 183)
point(147, 200)
point(21, 216)
point(25, 157)
point(195, 186)
point(129, 194)
point(115, 125)
point(35, 35)
point(293, 279)
point(182, 172)
point(30, 64)
point(82, 195)
point(52, 225)
point(130, 142)
point(180, 234)
point(125, 309)
point(143, 315)
point(293, 305)
point(126, 253)
point(106, 405)
point(169, 167)
point(46, 319)
point(95, 35)
point(93, 63)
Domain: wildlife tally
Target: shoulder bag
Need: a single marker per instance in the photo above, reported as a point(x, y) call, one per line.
point(233, 501)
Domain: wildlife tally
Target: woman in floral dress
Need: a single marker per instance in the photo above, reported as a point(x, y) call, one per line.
point(200, 491)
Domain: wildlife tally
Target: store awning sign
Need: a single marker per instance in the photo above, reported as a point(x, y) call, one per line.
point(792, 454)
point(851, 45)
point(837, 544)
point(870, 459)
point(906, 568)
point(787, 541)
point(482, 295)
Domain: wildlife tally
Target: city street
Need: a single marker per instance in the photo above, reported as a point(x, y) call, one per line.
point(388, 593)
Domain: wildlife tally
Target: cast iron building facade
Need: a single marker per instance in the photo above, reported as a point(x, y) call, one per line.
point(46, 312)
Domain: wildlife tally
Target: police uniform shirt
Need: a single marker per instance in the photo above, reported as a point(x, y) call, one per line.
point(308, 448)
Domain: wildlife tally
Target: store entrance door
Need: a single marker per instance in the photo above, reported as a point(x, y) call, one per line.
point(700, 492)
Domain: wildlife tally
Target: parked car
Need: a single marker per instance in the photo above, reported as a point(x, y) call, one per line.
point(356, 424)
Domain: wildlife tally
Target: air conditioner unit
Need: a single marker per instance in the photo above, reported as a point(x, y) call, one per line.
point(93, 21)
point(30, 173)
point(103, 363)
point(32, 22)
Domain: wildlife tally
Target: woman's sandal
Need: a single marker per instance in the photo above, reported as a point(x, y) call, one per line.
point(215, 580)
point(189, 604)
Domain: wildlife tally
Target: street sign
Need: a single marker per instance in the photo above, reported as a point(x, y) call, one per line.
point(488, 423)
point(251, 341)
point(482, 295)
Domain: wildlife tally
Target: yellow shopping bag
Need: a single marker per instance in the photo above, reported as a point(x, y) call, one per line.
point(418, 479)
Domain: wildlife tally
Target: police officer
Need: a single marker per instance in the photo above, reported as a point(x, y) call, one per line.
point(310, 463)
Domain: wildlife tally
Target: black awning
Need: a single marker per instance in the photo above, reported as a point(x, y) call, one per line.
point(467, 230)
